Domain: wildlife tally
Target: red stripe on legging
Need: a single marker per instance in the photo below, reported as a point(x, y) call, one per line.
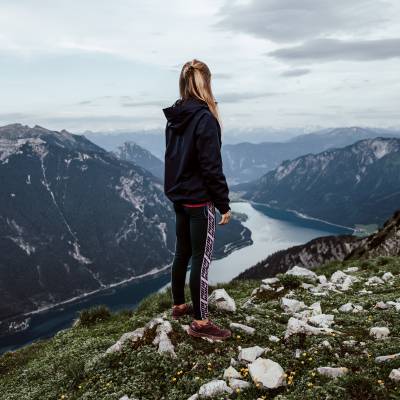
point(195, 205)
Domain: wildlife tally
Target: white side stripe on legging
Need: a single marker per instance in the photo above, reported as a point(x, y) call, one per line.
point(208, 250)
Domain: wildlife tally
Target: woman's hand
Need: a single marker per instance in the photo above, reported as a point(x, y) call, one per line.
point(225, 218)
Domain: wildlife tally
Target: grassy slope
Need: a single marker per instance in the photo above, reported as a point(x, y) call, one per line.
point(68, 366)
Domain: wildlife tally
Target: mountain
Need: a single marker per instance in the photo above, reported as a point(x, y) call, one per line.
point(293, 338)
point(383, 243)
point(246, 161)
point(75, 218)
point(357, 184)
point(131, 151)
point(152, 140)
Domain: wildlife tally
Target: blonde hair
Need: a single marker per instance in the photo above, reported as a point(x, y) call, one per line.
point(195, 81)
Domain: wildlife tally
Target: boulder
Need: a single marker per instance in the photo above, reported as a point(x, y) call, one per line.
point(295, 326)
point(270, 281)
point(387, 276)
point(267, 372)
point(374, 280)
point(300, 271)
point(291, 306)
point(322, 320)
point(221, 299)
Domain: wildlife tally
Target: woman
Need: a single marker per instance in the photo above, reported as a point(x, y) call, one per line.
point(195, 183)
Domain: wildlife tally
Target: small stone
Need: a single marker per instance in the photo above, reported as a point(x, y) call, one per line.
point(379, 332)
point(395, 375)
point(322, 320)
point(273, 338)
point(387, 358)
point(243, 328)
point(233, 362)
point(322, 279)
point(326, 344)
point(194, 397)
point(387, 276)
point(238, 384)
point(249, 354)
point(332, 372)
point(214, 388)
point(374, 280)
point(351, 269)
point(348, 307)
point(267, 372)
point(221, 299)
point(270, 281)
point(231, 372)
point(382, 305)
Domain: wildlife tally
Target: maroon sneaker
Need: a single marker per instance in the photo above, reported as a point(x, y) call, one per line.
point(180, 312)
point(208, 330)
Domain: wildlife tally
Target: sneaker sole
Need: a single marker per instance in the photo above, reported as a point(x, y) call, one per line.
point(193, 333)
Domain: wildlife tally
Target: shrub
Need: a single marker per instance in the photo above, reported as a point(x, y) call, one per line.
point(93, 315)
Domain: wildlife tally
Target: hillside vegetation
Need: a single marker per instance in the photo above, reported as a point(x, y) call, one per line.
point(75, 365)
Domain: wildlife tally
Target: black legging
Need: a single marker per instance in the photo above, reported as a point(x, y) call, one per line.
point(195, 234)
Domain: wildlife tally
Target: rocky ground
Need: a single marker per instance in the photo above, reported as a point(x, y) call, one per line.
point(331, 333)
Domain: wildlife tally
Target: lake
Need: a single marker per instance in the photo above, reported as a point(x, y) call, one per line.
point(272, 230)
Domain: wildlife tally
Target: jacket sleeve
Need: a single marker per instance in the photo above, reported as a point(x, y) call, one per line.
point(210, 161)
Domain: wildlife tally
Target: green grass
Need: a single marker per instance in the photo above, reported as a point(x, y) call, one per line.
point(72, 364)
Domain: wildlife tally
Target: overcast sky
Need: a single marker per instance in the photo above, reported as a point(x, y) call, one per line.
point(103, 65)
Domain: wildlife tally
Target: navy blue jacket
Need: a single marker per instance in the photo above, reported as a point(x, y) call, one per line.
point(193, 163)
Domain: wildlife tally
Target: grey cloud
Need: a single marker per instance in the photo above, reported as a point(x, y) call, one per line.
point(294, 20)
point(236, 97)
point(322, 50)
point(296, 72)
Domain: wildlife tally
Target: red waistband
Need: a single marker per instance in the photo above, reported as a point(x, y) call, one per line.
point(195, 205)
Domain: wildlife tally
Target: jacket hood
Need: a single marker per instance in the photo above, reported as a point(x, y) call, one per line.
point(181, 113)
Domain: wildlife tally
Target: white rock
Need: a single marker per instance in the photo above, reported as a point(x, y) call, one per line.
point(297, 353)
point(322, 279)
point(382, 305)
point(316, 308)
point(233, 362)
point(231, 372)
point(300, 271)
point(250, 318)
point(326, 344)
point(291, 306)
point(338, 277)
point(221, 299)
point(280, 288)
point(295, 326)
point(243, 328)
point(273, 338)
point(348, 307)
point(374, 280)
point(214, 388)
point(194, 397)
point(387, 276)
point(351, 269)
point(267, 372)
point(322, 320)
point(155, 321)
point(266, 288)
point(249, 354)
point(332, 372)
point(133, 336)
point(395, 375)
point(387, 358)
point(349, 343)
point(307, 286)
point(238, 384)
point(379, 332)
point(270, 281)
point(364, 291)
point(357, 308)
